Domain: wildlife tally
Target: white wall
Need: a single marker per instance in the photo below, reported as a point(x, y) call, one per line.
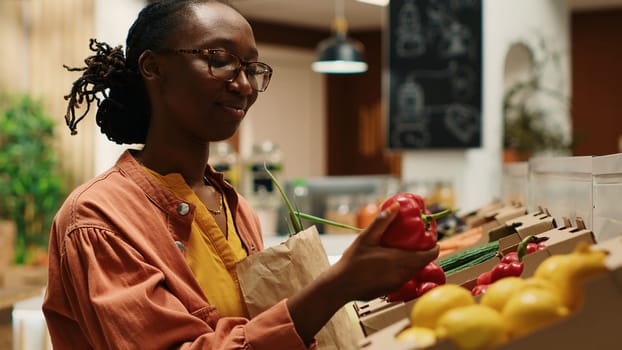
point(290, 113)
point(476, 173)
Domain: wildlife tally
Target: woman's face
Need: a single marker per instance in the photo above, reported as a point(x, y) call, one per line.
point(191, 104)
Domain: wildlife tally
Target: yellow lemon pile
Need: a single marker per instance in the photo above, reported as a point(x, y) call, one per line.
point(511, 307)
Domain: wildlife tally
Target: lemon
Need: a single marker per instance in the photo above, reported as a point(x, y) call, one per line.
point(531, 309)
point(433, 304)
point(472, 327)
point(553, 266)
point(568, 272)
point(538, 283)
point(500, 291)
point(418, 336)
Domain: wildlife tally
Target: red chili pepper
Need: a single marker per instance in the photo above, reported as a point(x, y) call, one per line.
point(513, 265)
point(425, 287)
point(484, 278)
point(479, 289)
point(501, 270)
point(430, 276)
point(432, 272)
point(510, 257)
point(532, 247)
point(407, 291)
point(414, 227)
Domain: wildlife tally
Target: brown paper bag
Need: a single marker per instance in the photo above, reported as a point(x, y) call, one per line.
point(280, 271)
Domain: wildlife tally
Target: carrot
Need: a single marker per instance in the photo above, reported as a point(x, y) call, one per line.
point(461, 240)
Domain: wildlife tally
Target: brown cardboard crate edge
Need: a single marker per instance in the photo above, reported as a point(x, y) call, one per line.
point(375, 321)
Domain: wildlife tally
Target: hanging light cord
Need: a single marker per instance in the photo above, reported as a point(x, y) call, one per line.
point(340, 25)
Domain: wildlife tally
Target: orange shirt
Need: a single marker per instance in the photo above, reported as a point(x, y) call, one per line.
point(211, 255)
point(118, 275)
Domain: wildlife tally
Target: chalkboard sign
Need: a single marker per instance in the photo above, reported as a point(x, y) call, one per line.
point(435, 84)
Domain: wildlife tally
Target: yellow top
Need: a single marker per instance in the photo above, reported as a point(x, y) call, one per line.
point(211, 255)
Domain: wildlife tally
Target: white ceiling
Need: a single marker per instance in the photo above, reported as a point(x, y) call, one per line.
point(319, 14)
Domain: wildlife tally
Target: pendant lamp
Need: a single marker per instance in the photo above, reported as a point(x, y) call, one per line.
point(339, 54)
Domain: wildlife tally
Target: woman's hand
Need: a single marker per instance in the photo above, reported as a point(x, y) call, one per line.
point(368, 270)
point(365, 271)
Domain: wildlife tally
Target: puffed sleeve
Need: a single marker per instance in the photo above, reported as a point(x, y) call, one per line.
point(122, 302)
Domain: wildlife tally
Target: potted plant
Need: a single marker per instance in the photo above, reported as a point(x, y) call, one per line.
point(31, 186)
point(526, 129)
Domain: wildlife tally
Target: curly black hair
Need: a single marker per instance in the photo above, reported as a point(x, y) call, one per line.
point(111, 78)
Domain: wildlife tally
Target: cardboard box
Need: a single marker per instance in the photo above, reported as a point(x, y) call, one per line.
point(494, 226)
point(500, 217)
point(514, 230)
point(379, 313)
point(596, 325)
point(480, 216)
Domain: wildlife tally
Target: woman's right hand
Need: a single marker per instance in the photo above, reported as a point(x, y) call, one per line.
point(365, 271)
point(369, 270)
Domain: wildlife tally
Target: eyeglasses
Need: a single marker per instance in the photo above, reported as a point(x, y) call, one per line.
point(226, 66)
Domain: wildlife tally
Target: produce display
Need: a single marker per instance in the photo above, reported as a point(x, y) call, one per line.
point(511, 264)
point(511, 307)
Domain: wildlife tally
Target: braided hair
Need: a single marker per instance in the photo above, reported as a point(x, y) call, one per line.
point(111, 79)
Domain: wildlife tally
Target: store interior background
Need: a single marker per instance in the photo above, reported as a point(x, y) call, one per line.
point(333, 125)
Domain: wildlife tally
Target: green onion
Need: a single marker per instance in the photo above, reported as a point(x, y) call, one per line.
point(295, 220)
point(295, 215)
point(326, 222)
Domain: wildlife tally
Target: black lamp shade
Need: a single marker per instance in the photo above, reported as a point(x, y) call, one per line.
point(339, 55)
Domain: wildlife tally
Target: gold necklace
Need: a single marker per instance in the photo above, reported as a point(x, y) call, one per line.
point(220, 198)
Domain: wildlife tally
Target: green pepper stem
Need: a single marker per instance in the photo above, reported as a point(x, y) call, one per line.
point(522, 246)
point(326, 222)
point(427, 218)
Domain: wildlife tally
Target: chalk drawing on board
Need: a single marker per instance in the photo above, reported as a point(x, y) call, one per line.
point(462, 121)
point(410, 40)
point(410, 100)
point(461, 78)
point(463, 81)
point(453, 37)
point(435, 74)
point(415, 134)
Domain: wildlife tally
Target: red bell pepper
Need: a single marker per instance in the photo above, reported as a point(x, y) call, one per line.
point(414, 227)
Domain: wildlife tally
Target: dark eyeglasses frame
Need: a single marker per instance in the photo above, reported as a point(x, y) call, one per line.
point(242, 64)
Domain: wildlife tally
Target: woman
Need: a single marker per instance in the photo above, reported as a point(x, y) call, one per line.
point(143, 255)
